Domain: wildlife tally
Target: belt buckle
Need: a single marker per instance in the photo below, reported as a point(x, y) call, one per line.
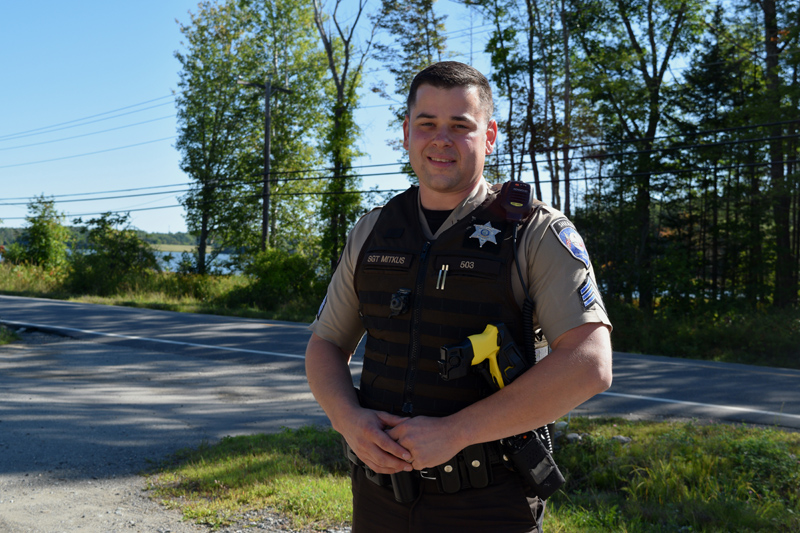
point(426, 473)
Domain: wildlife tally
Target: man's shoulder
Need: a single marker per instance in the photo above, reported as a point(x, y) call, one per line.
point(362, 229)
point(543, 215)
point(369, 218)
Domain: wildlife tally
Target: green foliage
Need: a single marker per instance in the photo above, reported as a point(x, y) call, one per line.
point(7, 335)
point(277, 277)
point(722, 332)
point(44, 241)
point(30, 280)
point(179, 238)
point(670, 477)
point(416, 39)
point(9, 235)
point(341, 203)
point(302, 473)
point(117, 259)
point(677, 477)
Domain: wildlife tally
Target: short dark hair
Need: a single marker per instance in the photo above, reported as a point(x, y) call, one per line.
point(451, 74)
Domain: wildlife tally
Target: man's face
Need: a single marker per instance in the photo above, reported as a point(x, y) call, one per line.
point(448, 138)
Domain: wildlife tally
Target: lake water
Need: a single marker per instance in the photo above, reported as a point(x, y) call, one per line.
point(172, 259)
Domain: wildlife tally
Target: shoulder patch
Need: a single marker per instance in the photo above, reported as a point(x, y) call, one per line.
point(569, 237)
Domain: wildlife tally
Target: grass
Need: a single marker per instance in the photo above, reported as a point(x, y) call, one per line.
point(7, 336)
point(670, 477)
point(678, 477)
point(300, 473)
point(765, 337)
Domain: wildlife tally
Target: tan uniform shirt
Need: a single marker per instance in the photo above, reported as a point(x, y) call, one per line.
point(560, 283)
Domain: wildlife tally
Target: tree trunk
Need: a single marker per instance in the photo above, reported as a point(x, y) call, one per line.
point(785, 290)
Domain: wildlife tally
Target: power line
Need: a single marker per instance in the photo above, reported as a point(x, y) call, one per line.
point(8, 138)
point(384, 191)
point(25, 133)
point(108, 197)
point(103, 192)
point(65, 215)
point(590, 156)
point(88, 153)
point(85, 134)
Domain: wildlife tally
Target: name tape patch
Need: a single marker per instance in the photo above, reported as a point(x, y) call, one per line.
point(388, 260)
point(569, 237)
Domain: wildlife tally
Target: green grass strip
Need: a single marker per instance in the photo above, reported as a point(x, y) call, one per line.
point(670, 477)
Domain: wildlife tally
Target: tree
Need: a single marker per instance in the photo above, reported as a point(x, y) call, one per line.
point(781, 40)
point(341, 203)
point(530, 67)
point(45, 240)
point(211, 119)
point(290, 55)
point(415, 39)
point(718, 210)
point(222, 123)
point(626, 48)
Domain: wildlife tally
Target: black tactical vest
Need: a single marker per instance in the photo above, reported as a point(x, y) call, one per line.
point(416, 295)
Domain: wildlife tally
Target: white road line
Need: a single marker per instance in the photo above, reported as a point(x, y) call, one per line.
point(163, 341)
point(698, 404)
point(720, 366)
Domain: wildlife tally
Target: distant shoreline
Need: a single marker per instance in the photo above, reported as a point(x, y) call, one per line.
point(176, 248)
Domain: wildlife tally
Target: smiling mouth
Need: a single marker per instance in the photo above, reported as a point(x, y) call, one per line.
point(440, 160)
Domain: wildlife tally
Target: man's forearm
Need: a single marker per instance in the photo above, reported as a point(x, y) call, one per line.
point(575, 371)
point(329, 378)
point(363, 429)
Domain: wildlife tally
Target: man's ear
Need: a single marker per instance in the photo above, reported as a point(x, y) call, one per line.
point(405, 133)
point(491, 136)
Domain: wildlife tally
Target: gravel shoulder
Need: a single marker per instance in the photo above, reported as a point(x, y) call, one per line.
point(80, 422)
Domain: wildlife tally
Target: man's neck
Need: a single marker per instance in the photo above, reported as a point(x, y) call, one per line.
point(437, 201)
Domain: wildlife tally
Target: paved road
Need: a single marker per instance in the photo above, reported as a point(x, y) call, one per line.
point(644, 386)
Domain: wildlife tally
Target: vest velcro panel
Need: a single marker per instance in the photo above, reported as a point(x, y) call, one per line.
point(458, 284)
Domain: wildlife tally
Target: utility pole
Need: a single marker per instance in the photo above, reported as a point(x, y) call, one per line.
point(567, 106)
point(269, 90)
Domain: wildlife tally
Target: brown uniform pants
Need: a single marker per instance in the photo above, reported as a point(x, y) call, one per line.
point(502, 507)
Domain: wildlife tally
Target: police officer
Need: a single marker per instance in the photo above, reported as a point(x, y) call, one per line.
point(433, 266)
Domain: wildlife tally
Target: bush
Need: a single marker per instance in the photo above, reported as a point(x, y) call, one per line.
point(44, 242)
point(117, 260)
point(715, 332)
point(276, 277)
point(30, 280)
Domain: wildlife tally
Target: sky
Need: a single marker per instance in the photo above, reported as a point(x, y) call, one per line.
point(87, 107)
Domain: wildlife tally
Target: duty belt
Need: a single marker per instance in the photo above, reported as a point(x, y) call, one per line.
point(470, 468)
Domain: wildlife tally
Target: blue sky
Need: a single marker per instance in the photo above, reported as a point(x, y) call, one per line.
point(86, 106)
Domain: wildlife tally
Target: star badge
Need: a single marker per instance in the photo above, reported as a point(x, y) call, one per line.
point(485, 233)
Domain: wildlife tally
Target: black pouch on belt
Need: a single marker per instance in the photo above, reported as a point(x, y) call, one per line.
point(477, 466)
point(535, 464)
point(449, 476)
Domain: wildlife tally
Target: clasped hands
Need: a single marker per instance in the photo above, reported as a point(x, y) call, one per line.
point(389, 444)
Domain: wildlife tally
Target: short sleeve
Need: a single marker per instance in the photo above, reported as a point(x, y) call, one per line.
point(561, 278)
